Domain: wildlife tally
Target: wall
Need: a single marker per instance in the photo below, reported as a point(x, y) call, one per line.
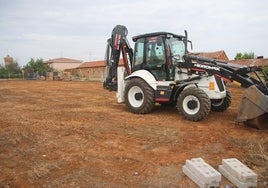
point(62, 66)
point(93, 73)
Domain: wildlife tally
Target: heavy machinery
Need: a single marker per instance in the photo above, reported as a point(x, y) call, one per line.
point(161, 70)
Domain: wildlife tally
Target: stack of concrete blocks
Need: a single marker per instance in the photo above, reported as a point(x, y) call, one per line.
point(202, 173)
point(237, 173)
point(205, 176)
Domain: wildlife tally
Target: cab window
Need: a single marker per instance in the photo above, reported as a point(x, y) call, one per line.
point(155, 57)
point(177, 48)
point(139, 52)
point(155, 54)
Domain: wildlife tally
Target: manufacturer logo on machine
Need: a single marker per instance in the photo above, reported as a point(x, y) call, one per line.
point(206, 67)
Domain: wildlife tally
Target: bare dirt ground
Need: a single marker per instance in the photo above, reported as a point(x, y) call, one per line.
point(74, 134)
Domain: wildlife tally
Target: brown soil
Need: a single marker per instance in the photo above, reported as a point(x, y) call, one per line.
point(74, 134)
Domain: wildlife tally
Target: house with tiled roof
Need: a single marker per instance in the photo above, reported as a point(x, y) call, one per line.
point(219, 55)
point(60, 64)
point(96, 70)
point(260, 62)
point(92, 70)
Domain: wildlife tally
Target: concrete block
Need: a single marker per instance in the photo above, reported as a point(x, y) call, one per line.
point(201, 173)
point(238, 173)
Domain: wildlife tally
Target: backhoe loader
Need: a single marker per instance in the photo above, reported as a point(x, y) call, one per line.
point(161, 70)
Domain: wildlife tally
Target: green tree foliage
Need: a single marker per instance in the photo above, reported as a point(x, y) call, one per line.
point(266, 70)
point(11, 70)
point(35, 68)
point(245, 55)
point(3, 72)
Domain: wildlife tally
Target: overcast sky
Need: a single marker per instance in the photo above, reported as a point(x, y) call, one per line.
point(78, 29)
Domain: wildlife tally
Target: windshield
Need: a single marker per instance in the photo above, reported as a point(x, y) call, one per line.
point(177, 48)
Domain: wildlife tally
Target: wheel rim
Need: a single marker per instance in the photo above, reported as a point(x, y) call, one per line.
point(191, 104)
point(135, 96)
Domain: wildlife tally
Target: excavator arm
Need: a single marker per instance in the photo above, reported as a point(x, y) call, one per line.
point(244, 76)
point(116, 45)
point(253, 109)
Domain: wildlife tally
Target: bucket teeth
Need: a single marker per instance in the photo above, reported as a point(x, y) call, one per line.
point(253, 109)
point(260, 122)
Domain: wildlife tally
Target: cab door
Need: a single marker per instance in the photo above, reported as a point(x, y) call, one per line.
point(150, 54)
point(155, 57)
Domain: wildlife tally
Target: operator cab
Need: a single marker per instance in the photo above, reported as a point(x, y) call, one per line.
point(157, 53)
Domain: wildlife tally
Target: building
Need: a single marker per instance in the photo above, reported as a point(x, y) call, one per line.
point(93, 70)
point(8, 60)
point(60, 64)
point(260, 62)
point(96, 70)
point(219, 55)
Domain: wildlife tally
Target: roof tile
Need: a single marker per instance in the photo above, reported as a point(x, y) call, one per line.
point(62, 60)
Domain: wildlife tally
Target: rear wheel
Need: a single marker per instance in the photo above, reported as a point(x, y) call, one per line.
point(220, 105)
point(139, 96)
point(193, 103)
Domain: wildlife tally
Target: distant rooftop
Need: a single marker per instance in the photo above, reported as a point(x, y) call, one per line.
point(92, 64)
point(62, 60)
point(262, 62)
point(219, 55)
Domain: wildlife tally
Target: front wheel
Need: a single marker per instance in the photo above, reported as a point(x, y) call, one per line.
point(139, 96)
point(193, 103)
point(220, 105)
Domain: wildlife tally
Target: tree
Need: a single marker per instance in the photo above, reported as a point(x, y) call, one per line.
point(35, 68)
point(245, 55)
point(14, 68)
point(266, 70)
point(3, 72)
point(11, 70)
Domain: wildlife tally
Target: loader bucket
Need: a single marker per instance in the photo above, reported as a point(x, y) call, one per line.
point(253, 109)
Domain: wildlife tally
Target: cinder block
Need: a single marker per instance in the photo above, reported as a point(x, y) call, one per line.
point(202, 173)
point(238, 173)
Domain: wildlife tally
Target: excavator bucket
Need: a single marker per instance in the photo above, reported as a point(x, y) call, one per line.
point(253, 109)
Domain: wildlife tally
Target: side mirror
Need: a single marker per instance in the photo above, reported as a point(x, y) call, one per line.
point(191, 44)
point(187, 41)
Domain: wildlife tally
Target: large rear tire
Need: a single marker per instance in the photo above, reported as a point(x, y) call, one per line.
point(193, 103)
point(220, 105)
point(139, 96)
